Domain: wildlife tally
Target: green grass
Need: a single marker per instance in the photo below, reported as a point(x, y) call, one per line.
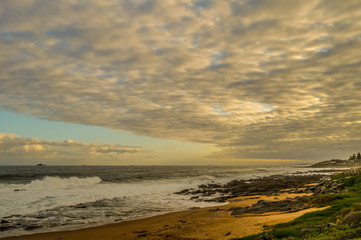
point(340, 204)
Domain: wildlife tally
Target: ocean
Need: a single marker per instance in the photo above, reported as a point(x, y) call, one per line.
point(52, 198)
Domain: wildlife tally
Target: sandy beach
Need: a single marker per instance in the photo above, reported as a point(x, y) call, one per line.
point(203, 223)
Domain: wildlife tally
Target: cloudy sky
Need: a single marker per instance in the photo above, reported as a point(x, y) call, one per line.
point(179, 82)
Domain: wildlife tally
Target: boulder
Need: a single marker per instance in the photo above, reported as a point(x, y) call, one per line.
point(352, 218)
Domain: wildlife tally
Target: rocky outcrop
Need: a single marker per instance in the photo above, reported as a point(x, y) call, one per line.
point(353, 218)
point(327, 186)
point(287, 205)
point(269, 186)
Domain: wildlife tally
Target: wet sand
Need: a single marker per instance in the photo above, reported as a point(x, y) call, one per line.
point(205, 223)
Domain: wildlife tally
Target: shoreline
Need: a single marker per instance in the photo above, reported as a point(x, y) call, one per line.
point(250, 205)
point(201, 223)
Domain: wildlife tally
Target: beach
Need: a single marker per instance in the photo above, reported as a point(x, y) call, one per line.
point(203, 223)
point(62, 198)
point(240, 208)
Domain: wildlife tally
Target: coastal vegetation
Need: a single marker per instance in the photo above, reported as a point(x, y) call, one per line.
point(340, 220)
point(353, 161)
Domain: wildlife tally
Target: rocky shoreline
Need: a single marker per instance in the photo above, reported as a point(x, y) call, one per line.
point(253, 188)
point(267, 186)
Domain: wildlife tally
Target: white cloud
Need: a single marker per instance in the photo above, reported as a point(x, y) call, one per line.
point(159, 68)
point(13, 147)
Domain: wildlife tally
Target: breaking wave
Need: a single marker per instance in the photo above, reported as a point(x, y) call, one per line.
point(56, 183)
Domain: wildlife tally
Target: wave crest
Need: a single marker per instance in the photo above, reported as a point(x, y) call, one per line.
point(56, 183)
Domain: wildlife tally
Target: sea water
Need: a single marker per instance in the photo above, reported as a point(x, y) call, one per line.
point(53, 198)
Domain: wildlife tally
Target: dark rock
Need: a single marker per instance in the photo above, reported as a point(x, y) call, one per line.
point(143, 235)
point(269, 186)
point(185, 191)
point(287, 205)
point(80, 206)
point(214, 210)
point(227, 234)
point(196, 192)
point(352, 218)
point(19, 190)
point(218, 199)
point(326, 187)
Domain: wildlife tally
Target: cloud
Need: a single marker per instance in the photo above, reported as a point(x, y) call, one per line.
point(285, 73)
point(25, 149)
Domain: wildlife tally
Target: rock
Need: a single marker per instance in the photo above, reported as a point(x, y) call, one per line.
point(185, 191)
point(287, 205)
point(80, 206)
point(269, 186)
point(352, 218)
point(214, 210)
point(197, 192)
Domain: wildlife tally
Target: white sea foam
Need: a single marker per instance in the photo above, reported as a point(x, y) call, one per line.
point(54, 192)
point(52, 183)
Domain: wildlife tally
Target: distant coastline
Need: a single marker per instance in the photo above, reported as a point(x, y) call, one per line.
point(353, 161)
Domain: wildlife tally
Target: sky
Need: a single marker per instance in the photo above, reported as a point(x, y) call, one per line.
point(179, 82)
